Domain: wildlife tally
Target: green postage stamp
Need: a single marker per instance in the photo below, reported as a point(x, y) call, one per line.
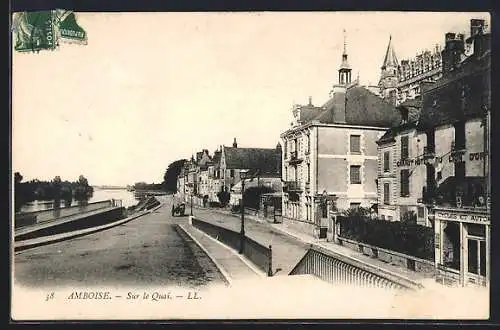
point(44, 30)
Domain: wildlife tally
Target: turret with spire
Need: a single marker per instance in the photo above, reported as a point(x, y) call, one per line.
point(389, 75)
point(345, 68)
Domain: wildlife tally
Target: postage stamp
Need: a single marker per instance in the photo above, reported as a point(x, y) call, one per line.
point(42, 30)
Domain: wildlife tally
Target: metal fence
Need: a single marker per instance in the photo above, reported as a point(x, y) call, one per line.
point(259, 254)
point(339, 269)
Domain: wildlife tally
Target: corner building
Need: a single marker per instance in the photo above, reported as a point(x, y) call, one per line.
point(330, 154)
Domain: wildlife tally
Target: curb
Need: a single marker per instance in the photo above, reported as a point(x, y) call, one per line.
point(24, 245)
point(247, 262)
point(226, 276)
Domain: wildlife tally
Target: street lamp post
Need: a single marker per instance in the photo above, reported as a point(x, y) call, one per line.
point(191, 204)
point(244, 174)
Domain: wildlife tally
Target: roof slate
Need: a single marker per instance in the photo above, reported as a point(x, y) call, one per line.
point(266, 160)
point(362, 108)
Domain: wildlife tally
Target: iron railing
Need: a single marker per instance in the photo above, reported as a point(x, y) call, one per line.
point(340, 269)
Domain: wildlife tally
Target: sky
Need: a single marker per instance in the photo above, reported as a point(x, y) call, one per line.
point(151, 88)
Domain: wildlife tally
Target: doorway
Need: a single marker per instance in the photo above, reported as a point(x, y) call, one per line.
point(476, 268)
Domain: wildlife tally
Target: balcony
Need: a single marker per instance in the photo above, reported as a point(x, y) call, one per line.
point(294, 158)
point(468, 192)
point(292, 186)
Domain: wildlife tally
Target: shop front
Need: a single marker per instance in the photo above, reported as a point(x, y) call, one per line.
point(462, 245)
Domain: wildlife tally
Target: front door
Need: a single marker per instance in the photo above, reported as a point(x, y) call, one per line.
point(476, 272)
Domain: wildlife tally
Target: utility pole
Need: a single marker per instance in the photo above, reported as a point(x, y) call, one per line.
point(242, 209)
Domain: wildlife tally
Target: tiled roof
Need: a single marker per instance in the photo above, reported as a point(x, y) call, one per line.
point(308, 113)
point(266, 160)
point(457, 96)
point(362, 108)
point(414, 108)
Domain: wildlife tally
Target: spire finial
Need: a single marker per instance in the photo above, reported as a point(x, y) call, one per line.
point(345, 42)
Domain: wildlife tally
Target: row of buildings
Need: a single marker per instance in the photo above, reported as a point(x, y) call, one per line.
point(417, 145)
point(205, 176)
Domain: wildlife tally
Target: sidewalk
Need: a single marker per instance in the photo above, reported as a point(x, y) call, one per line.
point(233, 266)
point(289, 245)
point(287, 251)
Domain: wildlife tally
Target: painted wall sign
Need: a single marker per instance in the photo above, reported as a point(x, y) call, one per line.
point(456, 158)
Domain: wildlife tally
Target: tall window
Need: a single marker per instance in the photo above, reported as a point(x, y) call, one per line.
point(355, 144)
point(308, 172)
point(355, 172)
point(308, 143)
point(387, 192)
point(460, 135)
point(232, 173)
point(405, 183)
point(404, 147)
point(285, 148)
point(386, 161)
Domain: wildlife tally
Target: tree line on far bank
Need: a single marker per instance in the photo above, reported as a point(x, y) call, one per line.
point(56, 190)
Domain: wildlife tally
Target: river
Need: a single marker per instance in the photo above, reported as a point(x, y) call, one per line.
point(127, 197)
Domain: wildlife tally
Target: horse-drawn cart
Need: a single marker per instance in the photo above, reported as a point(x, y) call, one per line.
point(178, 206)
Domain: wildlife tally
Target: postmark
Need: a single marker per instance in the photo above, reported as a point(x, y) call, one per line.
point(44, 30)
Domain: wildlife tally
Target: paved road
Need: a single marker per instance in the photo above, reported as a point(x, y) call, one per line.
point(145, 251)
point(287, 251)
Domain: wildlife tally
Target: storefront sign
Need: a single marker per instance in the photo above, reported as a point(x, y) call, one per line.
point(462, 217)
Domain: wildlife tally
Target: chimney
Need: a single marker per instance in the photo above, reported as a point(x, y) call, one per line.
point(278, 158)
point(310, 101)
point(235, 145)
point(476, 27)
point(339, 100)
point(480, 40)
point(453, 51)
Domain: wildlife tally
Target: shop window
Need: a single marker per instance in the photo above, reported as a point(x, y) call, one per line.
point(476, 256)
point(451, 246)
point(355, 174)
